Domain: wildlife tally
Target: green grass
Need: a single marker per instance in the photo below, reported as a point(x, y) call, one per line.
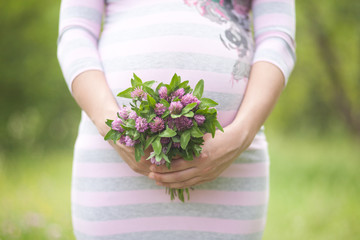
point(315, 188)
point(315, 191)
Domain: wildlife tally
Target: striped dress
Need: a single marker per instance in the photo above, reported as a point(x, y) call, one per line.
point(197, 39)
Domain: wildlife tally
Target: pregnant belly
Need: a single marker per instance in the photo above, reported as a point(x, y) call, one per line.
point(191, 46)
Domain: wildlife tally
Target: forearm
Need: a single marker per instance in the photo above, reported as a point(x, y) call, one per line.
point(94, 96)
point(265, 85)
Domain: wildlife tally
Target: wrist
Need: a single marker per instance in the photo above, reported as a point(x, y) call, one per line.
point(243, 132)
point(101, 116)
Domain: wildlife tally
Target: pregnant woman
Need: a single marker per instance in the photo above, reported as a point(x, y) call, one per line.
point(103, 42)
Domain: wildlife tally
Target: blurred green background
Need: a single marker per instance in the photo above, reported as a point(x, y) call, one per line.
point(313, 133)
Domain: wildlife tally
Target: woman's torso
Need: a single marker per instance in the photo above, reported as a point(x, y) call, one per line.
point(195, 39)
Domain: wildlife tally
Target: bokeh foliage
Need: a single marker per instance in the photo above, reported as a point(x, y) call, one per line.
point(37, 110)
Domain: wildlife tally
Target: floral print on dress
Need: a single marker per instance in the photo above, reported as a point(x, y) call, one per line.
point(237, 35)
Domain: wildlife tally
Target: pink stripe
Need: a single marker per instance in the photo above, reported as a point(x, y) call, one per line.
point(85, 141)
point(168, 224)
point(214, 82)
point(112, 27)
point(270, 20)
point(257, 2)
point(101, 199)
point(167, 45)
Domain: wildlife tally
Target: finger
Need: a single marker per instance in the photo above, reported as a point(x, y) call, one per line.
point(185, 184)
point(176, 165)
point(174, 177)
point(180, 164)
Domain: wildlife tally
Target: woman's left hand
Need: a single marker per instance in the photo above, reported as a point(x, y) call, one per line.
point(218, 153)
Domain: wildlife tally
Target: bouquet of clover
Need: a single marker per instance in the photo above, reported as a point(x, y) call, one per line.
point(172, 119)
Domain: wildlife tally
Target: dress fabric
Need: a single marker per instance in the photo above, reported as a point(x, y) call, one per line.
point(197, 39)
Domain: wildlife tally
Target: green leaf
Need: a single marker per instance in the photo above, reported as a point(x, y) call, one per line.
point(165, 114)
point(139, 152)
point(199, 89)
point(151, 92)
point(130, 123)
point(151, 100)
point(207, 102)
point(188, 194)
point(109, 135)
point(165, 157)
point(176, 115)
point(136, 81)
point(189, 114)
point(149, 141)
point(156, 144)
point(108, 122)
point(188, 107)
point(136, 135)
point(168, 133)
point(213, 129)
point(184, 139)
point(165, 103)
point(126, 93)
point(217, 124)
point(151, 155)
point(184, 84)
point(188, 155)
point(159, 86)
point(158, 157)
point(196, 132)
point(197, 150)
point(175, 81)
point(149, 83)
point(151, 117)
point(175, 139)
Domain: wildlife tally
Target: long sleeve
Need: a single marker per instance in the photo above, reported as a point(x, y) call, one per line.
point(274, 30)
point(79, 30)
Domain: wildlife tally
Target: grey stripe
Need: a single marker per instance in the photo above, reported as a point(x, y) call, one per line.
point(142, 182)
point(180, 60)
point(273, 7)
point(76, 44)
point(82, 12)
point(169, 209)
point(253, 156)
point(274, 56)
point(160, 30)
point(292, 53)
point(147, 11)
point(173, 235)
point(83, 63)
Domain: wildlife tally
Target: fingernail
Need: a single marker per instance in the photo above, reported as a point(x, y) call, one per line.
point(151, 175)
point(159, 184)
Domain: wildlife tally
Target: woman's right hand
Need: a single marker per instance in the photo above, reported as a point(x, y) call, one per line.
point(91, 92)
point(128, 155)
